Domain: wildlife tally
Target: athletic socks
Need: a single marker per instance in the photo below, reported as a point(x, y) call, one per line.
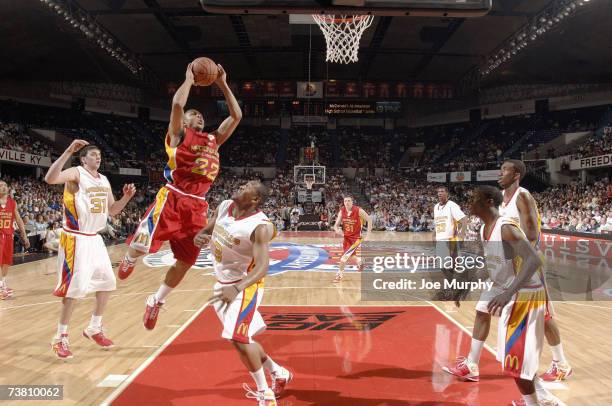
point(260, 379)
point(96, 322)
point(475, 351)
point(163, 291)
point(61, 329)
point(558, 354)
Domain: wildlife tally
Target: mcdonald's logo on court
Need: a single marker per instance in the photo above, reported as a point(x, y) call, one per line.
point(511, 362)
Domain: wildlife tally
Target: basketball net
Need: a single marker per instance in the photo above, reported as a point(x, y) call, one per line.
point(342, 35)
point(309, 184)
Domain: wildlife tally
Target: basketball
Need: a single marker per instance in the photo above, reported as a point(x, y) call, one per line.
point(205, 71)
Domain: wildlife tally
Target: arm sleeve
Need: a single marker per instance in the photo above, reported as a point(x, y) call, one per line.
point(456, 212)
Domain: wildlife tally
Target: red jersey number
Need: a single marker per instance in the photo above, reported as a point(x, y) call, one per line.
point(7, 217)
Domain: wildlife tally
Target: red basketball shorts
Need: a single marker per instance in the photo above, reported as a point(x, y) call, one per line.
point(6, 249)
point(350, 247)
point(173, 217)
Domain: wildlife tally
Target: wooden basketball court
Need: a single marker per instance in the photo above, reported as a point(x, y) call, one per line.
point(95, 376)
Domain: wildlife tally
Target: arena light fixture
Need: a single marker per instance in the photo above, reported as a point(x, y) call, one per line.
point(546, 19)
point(81, 20)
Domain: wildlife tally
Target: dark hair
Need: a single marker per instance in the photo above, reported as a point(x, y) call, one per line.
point(347, 197)
point(83, 152)
point(442, 187)
point(519, 166)
point(491, 193)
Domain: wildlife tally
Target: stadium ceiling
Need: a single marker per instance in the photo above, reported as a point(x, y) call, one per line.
point(167, 34)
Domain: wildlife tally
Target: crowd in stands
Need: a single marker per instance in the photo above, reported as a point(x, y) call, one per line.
point(364, 147)
point(14, 136)
point(594, 146)
point(251, 146)
point(397, 203)
point(581, 207)
point(468, 147)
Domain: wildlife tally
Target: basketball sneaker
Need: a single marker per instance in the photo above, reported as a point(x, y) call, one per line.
point(280, 379)
point(338, 278)
point(97, 336)
point(464, 369)
point(558, 371)
point(125, 268)
point(61, 347)
point(5, 292)
point(151, 312)
point(265, 398)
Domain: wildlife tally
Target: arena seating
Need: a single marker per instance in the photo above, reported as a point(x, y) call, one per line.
point(400, 200)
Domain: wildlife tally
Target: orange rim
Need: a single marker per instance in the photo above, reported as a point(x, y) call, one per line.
point(334, 20)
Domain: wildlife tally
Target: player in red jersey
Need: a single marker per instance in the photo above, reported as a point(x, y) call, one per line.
point(8, 215)
point(352, 218)
point(180, 208)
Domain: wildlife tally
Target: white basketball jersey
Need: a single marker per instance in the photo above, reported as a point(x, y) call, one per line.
point(231, 243)
point(510, 209)
point(501, 270)
point(86, 211)
point(446, 217)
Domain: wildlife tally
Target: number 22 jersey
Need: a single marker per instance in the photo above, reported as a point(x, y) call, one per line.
point(193, 165)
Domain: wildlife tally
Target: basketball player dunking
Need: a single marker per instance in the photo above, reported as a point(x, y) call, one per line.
point(83, 261)
point(352, 218)
point(9, 214)
point(180, 207)
point(521, 299)
point(240, 242)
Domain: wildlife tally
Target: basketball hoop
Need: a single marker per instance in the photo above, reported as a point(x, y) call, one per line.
point(342, 35)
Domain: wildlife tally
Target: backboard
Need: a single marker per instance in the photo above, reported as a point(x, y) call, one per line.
point(425, 8)
point(301, 173)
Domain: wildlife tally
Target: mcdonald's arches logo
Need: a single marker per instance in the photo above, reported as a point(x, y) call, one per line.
point(511, 362)
point(243, 329)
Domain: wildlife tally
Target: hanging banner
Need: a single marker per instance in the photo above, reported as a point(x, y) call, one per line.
point(24, 158)
point(461, 176)
point(487, 176)
point(592, 162)
point(436, 177)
